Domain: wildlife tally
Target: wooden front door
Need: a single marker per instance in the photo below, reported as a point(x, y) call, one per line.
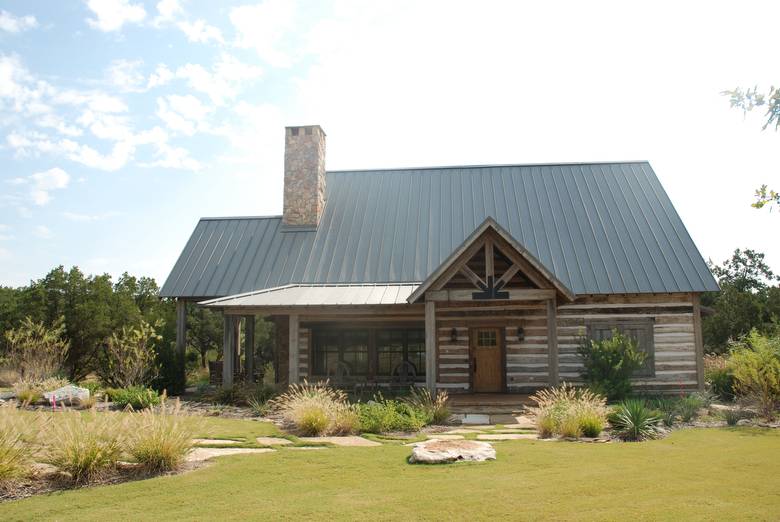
point(486, 361)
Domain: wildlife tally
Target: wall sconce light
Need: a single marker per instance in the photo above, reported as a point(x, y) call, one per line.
point(520, 334)
point(454, 335)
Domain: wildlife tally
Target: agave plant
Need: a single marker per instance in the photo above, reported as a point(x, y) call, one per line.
point(633, 420)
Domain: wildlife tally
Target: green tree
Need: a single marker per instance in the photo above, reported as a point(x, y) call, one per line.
point(748, 100)
point(128, 358)
point(204, 332)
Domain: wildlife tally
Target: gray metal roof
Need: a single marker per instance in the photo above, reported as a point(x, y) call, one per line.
point(320, 295)
point(600, 228)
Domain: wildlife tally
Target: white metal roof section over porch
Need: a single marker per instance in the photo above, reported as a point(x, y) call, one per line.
point(319, 295)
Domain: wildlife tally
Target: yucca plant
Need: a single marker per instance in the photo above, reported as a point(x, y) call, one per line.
point(633, 420)
point(160, 441)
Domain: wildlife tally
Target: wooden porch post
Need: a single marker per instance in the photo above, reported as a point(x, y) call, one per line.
point(181, 340)
point(249, 347)
point(236, 344)
point(552, 342)
point(293, 349)
point(430, 345)
point(228, 351)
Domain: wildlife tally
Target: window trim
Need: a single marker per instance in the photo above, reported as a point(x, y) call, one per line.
point(621, 325)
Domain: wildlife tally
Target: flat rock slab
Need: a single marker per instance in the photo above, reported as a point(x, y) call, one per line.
point(461, 431)
point(507, 436)
point(273, 441)
point(307, 448)
point(201, 454)
point(445, 436)
point(475, 418)
point(352, 441)
point(217, 442)
point(444, 451)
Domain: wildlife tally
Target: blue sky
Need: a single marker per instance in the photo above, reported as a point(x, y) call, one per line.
point(122, 121)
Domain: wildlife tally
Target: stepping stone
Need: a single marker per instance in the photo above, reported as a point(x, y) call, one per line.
point(475, 418)
point(461, 431)
point(444, 436)
point(351, 441)
point(306, 448)
point(507, 436)
point(273, 441)
point(217, 442)
point(512, 430)
point(201, 454)
point(444, 451)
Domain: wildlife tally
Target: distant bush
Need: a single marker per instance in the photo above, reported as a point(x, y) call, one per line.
point(160, 441)
point(719, 377)
point(36, 351)
point(434, 406)
point(609, 364)
point(129, 356)
point(137, 397)
point(569, 412)
point(633, 420)
point(733, 416)
point(385, 415)
point(755, 362)
point(85, 445)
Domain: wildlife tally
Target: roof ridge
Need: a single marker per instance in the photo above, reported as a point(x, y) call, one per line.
point(497, 165)
point(218, 218)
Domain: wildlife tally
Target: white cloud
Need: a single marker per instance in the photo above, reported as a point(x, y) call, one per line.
point(172, 157)
point(111, 15)
point(4, 236)
point(42, 231)
point(45, 182)
point(263, 26)
point(126, 75)
point(162, 75)
point(200, 31)
point(223, 82)
point(16, 24)
point(58, 123)
point(184, 114)
point(167, 10)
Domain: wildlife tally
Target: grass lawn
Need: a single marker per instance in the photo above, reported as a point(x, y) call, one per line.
point(693, 474)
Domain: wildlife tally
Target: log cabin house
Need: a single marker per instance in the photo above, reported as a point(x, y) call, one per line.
point(473, 279)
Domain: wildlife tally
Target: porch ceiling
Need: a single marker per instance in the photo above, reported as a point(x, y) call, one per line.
point(318, 295)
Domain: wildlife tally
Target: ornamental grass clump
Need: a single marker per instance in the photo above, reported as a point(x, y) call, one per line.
point(19, 432)
point(315, 409)
point(85, 445)
point(434, 406)
point(633, 420)
point(567, 411)
point(160, 441)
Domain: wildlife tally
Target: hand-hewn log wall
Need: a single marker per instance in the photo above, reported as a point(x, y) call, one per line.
point(453, 359)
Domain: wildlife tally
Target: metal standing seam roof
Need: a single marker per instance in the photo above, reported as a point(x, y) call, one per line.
point(600, 228)
point(320, 295)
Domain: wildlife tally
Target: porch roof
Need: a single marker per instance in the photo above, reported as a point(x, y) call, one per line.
point(319, 295)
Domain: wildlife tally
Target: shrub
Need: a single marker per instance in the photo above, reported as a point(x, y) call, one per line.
point(259, 408)
point(94, 387)
point(36, 351)
point(85, 445)
point(129, 357)
point(18, 434)
point(608, 364)
point(721, 382)
point(733, 416)
point(755, 362)
point(137, 397)
point(31, 391)
point(160, 441)
point(234, 395)
point(26, 394)
point(384, 415)
point(313, 409)
point(634, 420)
point(665, 408)
point(688, 407)
point(569, 412)
point(434, 407)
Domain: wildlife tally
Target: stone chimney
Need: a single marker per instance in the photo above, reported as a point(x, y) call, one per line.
point(304, 175)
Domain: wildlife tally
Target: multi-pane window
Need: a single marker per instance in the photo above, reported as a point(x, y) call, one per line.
point(639, 331)
point(398, 351)
point(339, 353)
point(486, 338)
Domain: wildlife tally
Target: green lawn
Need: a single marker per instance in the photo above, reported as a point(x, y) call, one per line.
point(693, 474)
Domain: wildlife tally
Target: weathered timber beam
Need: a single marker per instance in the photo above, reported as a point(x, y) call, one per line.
point(474, 278)
point(293, 350)
point(467, 295)
point(430, 346)
point(508, 275)
point(227, 351)
point(552, 342)
point(249, 347)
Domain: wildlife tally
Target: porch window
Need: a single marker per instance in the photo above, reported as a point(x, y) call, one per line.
point(341, 353)
point(398, 351)
point(640, 331)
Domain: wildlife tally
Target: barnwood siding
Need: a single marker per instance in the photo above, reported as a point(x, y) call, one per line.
point(453, 359)
point(527, 360)
point(673, 335)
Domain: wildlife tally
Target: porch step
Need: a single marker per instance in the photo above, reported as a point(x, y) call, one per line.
point(488, 404)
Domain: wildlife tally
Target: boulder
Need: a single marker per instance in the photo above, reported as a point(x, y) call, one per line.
point(444, 451)
point(69, 392)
